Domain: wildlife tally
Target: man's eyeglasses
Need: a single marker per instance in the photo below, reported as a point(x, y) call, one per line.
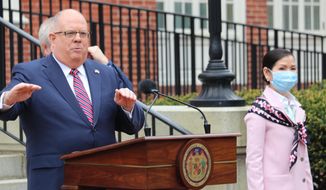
point(72, 34)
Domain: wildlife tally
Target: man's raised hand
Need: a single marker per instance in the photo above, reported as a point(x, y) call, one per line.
point(20, 93)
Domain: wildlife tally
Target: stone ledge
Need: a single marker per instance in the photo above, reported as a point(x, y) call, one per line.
point(11, 148)
point(13, 184)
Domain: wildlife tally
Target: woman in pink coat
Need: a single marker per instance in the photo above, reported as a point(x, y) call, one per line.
point(277, 156)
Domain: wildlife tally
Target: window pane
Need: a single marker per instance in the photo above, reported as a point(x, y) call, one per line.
point(203, 13)
point(295, 17)
point(316, 18)
point(286, 15)
point(270, 16)
point(202, 10)
point(178, 9)
point(307, 15)
point(160, 16)
point(188, 11)
point(188, 8)
point(160, 6)
point(229, 12)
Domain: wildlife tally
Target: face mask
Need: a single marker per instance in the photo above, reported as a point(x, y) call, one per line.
point(284, 81)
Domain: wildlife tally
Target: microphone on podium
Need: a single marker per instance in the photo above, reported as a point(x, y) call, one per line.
point(143, 87)
point(148, 86)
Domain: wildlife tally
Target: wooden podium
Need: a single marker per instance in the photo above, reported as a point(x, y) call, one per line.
point(169, 162)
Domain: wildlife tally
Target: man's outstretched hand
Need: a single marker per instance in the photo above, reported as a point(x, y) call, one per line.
point(20, 93)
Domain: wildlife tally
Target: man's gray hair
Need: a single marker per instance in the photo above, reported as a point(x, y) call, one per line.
point(45, 29)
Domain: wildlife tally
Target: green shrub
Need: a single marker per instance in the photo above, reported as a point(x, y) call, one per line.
point(249, 95)
point(313, 101)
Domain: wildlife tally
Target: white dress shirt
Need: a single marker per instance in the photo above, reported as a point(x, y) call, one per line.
point(81, 73)
point(290, 105)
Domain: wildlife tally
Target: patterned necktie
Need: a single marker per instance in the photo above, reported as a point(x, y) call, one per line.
point(82, 96)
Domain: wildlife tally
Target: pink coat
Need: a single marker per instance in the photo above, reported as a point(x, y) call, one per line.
point(268, 152)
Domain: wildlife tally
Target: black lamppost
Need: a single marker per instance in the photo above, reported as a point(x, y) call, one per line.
point(216, 90)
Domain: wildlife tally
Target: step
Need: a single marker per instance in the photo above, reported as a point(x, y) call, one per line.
point(13, 184)
point(6, 148)
point(12, 166)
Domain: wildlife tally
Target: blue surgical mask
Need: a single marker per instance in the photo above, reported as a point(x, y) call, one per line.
point(284, 81)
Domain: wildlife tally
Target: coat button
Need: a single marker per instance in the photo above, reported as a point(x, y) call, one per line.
point(303, 180)
point(302, 159)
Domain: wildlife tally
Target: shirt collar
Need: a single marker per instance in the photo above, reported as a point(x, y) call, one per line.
point(66, 70)
point(291, 100)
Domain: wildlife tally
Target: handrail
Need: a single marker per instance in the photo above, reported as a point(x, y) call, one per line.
point(165, 119)
point(20, 31)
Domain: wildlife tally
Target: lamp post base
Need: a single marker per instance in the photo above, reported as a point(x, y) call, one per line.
point(216, 90)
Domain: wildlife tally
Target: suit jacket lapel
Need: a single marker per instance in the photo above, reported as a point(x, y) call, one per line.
point(57, 78)
point(94, 80)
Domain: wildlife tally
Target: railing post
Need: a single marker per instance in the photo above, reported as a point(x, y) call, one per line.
point(130, 49)
point(1, 9)
point(193, 55)
point(299, 69)
point(2, 52)
point(323, 67)
point(253, 66)
point(93, 33)
point(276, 38)
point(177, 64)
point(2, 58)
point(216, 90)
point(101, 27)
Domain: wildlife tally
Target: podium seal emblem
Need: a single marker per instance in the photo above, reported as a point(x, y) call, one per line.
point(195, 164)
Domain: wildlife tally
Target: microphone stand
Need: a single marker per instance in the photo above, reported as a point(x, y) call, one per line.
point(207, 126)
point(147, 129)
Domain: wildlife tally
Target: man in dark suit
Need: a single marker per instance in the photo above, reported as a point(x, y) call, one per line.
point(67, 102)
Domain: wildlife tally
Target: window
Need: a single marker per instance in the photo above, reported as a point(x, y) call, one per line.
point(312, 14)
point(160, 16)
point(290, 14)
point(203, 13)
point(14, 4)
point(229, 13)
point(188, 11)
point(182, 8)
point(270, 14)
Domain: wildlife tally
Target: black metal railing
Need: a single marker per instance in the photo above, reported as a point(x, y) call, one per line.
point(172, 48)
point(173, 127)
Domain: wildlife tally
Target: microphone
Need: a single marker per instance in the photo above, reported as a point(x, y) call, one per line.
point(148, 86)
point(145, 87)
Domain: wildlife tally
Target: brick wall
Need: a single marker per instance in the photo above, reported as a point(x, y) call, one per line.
point(256, 11)
point(116, 46)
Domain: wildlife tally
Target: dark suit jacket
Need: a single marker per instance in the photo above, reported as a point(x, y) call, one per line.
point(55, 124)
point(122, 76)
